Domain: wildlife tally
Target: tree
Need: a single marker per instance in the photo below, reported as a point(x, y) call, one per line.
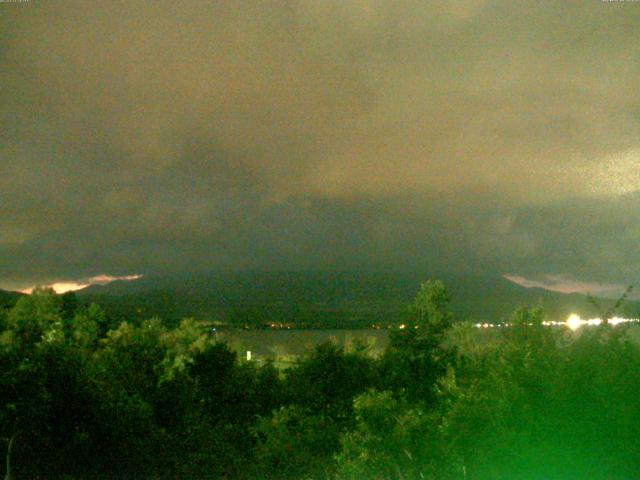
point(391, 439)
point(607, 314)
point(329, 379)
point(28, 324)
point(47, 395)
point(417, 355)
point(531, 401)
point(430, 309)
point(69, 304)
point(296, 443)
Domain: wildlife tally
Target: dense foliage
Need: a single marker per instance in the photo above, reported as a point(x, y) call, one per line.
point(81, 398)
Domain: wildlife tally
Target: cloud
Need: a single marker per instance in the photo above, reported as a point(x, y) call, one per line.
point(565, 284)
point(74, 285)
point(475, 135)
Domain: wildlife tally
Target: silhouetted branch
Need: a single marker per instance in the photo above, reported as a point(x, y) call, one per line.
point(606, 315)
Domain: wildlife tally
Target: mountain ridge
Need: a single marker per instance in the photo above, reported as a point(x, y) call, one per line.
point(323, 299)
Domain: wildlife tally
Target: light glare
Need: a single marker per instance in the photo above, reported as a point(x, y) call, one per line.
point(574, 321)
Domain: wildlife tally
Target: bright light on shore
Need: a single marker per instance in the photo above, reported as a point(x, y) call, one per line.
point(574, 321)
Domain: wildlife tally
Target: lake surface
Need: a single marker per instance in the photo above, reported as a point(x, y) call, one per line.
point(265, 344)
point(288, 345)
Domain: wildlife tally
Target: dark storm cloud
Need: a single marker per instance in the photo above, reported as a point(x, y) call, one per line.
point(473, 135)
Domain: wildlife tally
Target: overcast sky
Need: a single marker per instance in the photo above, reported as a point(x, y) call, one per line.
point(473, 136)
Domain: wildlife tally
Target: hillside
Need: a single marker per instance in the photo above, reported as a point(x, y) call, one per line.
point(8, 299)
point(315, 299)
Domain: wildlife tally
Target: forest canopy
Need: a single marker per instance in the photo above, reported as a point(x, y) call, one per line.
point(82, 398)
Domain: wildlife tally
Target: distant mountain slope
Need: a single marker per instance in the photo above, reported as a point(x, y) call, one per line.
point(342, 300)
point(9, 299)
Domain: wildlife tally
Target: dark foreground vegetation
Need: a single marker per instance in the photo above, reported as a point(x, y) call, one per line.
point(80, 398)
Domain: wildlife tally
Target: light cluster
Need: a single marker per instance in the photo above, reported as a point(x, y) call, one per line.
point(573, 322)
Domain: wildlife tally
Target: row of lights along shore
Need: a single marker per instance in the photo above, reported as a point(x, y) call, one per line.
point(573, 322)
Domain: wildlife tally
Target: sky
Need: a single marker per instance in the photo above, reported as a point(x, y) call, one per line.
point(474, 136)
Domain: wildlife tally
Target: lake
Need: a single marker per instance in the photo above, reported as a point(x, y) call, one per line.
point(283, 344)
